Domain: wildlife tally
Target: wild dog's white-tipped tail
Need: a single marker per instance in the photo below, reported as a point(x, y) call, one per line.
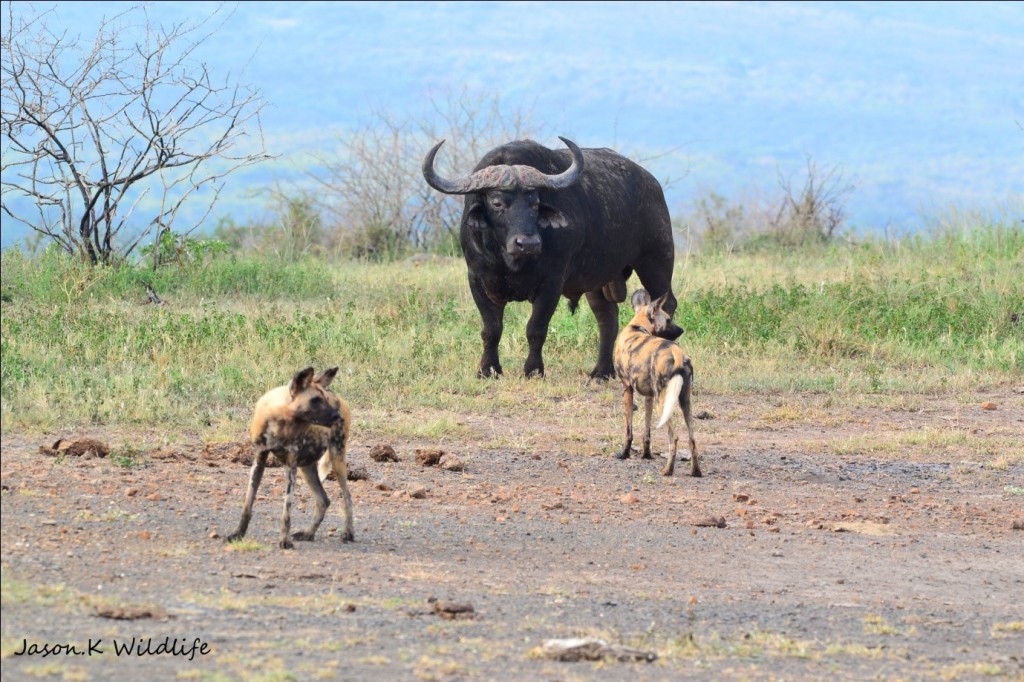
point(671, 397)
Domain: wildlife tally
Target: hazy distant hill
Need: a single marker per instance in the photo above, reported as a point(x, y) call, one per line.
point(918, 103)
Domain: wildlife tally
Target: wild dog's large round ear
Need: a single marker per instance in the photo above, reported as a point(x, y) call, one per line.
point(660, 301)
point(301, 381)
point(327, 377)
point(640, 299)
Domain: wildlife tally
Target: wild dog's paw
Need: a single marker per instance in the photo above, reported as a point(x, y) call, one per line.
point(622, 454)
point(285, 544)
point(234, 537)
point(348, 536)
point(303, 536)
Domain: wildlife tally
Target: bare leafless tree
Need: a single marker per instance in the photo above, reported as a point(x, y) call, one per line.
point(105, 139)
point(374, 186)
point(815, 210)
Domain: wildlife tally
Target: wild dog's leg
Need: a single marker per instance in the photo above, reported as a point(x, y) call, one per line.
point(322, 503)
point(286, 517)
point(259, 462)
point(492, 315)
point(537, 328)
point(648, 411)
point(684, 403)
point(606, 312)
point(673, 439)
point(627, 406)
point(336, 449)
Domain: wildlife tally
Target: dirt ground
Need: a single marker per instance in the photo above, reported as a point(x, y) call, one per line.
point(902, 563)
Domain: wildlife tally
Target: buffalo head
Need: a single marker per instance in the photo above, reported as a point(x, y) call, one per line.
point(507, 201)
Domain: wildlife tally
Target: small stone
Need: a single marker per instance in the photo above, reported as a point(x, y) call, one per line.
point(428, 457)
point(450, 462)
point(383, 453)
point(154, 497)
point(988, 406)
point(629, 498)
point(452, 610)
point(358, 474)
point(214, 535)
point(417, 491)
point(381, 485)
point(144, 535)
point(131, 492)
point(740, 497)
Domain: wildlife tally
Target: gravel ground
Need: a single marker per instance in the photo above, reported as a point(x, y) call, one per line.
point(904, 565)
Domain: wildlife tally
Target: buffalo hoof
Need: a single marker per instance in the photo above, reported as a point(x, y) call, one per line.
point(534, 372)
point(489, 372)
point(602, 373)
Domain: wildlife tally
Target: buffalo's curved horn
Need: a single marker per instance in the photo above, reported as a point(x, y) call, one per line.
point(503, 177)
point(563, 179)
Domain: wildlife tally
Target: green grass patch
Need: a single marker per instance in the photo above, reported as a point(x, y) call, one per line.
point(81, 345)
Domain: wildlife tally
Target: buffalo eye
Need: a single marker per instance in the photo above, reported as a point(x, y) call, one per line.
point(497, 203)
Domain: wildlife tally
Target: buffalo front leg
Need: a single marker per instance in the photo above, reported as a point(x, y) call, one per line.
point(537, 330)
point(627, 407)
point(492, 315)
point(259, 463)
point(606, 313)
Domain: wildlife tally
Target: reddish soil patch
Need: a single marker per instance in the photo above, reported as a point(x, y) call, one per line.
point(786, 560)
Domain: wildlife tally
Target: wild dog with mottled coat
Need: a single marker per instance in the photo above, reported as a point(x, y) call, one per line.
point(305, 426)
point(649, 362)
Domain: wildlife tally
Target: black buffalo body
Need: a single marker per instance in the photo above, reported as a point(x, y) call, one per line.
point(541, 223)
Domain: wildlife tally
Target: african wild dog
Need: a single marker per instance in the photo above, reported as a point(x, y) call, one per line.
point(648, 361)
point(301, 424)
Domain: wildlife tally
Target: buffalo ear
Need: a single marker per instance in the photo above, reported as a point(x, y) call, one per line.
point(549, 216)
point(476, 217)
point(640, 299)
point(301, 381)
point(326, 377)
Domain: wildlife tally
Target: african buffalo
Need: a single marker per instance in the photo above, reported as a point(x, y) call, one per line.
point(540, 223)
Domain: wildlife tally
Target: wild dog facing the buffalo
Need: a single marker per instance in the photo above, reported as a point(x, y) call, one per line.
point(302, 424)
point(649, 362)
